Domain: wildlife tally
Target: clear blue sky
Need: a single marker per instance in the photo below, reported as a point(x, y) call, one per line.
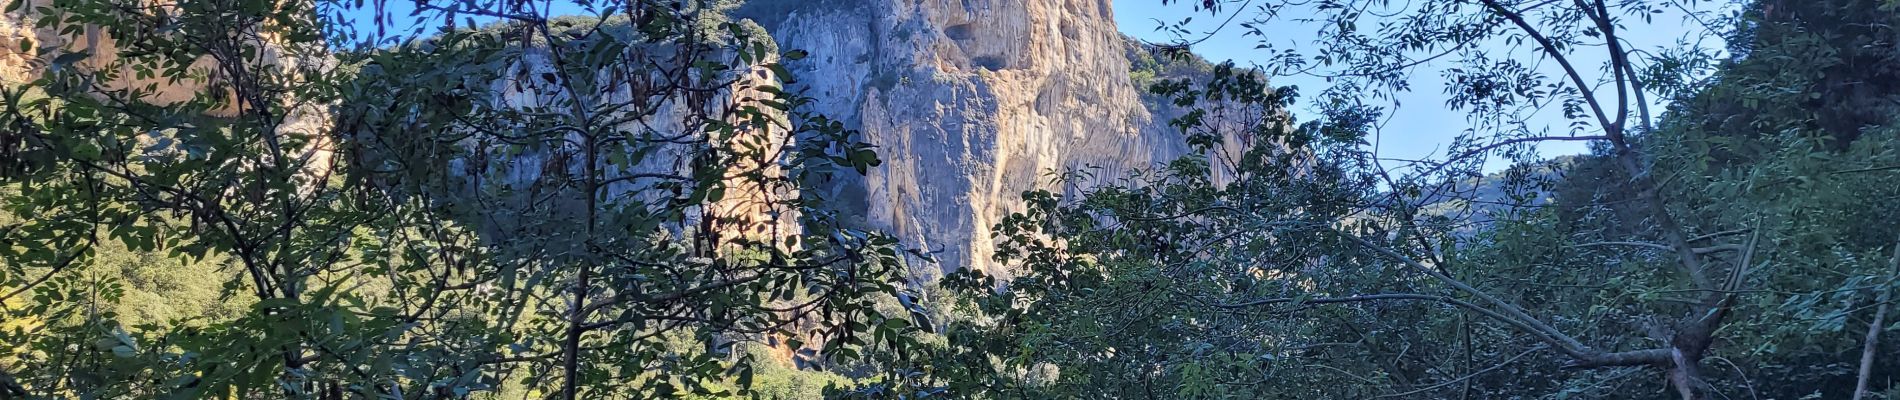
point(1422, 127)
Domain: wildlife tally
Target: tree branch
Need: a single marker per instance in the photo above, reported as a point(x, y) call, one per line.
point(49, 274)
point(1467, 377)
point(1515, 323)
point(1651, 357)
point(1567, 344)
point(1550, 48)
point(1508, 142)
point(1872, 343)
point(1665, 248)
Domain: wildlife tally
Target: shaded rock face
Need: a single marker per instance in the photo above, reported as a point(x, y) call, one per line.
point(972, 102)
point(752, 209)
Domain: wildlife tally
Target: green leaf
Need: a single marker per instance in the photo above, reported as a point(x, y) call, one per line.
point(123, 351)
point(70, 58)
point(86, 151)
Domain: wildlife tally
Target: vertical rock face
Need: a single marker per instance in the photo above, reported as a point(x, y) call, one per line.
point(971, 102)
point(751, 210)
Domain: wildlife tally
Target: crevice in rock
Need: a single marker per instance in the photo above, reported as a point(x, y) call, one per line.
point(991, 63)
point(959, 32)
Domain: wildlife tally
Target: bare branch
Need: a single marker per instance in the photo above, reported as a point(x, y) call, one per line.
point(1502, 143)
point(1872, 343)
point(1657, 247)
point(1550, 48)
point(1467, 377)
point(1568, 344)
point(1664, 248)
point(1650, 357)
point(1730, 232)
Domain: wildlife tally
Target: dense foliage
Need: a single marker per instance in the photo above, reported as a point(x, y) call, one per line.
point(262, 199)
point(570, 207)
point(1737, 243)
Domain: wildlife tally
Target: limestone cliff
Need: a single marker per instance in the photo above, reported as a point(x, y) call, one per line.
point(971, 102)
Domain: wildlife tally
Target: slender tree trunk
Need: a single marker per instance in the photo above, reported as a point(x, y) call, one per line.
point(1465, 320)
point(571, 347)
point(578, 319)
point(1869, 347)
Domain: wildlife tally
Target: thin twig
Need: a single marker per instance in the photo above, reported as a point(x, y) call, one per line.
point(1474, 374)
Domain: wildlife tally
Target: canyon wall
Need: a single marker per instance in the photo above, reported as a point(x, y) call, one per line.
point(972, 102)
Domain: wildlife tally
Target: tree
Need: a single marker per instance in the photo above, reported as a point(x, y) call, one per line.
point(545, 204)
point(1344, 277)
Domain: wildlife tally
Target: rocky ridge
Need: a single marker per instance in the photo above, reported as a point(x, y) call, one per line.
point(972, 102)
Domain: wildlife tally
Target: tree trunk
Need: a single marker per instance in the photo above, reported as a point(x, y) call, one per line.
point(1869, 347)
point(571, 345)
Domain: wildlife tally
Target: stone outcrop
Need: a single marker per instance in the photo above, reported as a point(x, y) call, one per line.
point(971, 102)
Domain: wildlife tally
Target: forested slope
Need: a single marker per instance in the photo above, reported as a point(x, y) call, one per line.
point(711, 199)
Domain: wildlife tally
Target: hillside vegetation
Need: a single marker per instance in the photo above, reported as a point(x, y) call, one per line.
point(631, 204)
